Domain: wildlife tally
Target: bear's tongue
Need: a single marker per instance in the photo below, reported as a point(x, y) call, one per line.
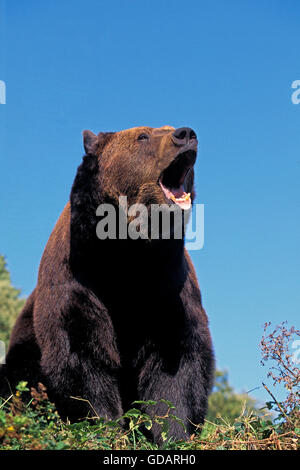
point(177, 195)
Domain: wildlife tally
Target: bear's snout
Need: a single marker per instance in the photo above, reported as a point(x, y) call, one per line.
point(184, 136)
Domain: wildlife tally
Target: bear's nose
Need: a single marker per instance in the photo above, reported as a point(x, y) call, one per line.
point(183, 135)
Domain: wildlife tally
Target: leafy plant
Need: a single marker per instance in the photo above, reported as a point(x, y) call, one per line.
point(227, 405)
point(276, 349)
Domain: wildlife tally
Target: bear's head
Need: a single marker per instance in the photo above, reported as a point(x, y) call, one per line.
point(148, 165)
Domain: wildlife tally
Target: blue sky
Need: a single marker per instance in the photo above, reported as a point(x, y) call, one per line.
point(224, 68)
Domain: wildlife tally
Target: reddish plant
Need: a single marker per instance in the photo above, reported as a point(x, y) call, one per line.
point(282, 348)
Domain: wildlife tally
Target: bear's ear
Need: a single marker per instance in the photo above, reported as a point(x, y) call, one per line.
point(90, 141)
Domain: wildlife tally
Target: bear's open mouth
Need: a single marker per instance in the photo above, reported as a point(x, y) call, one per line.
point(172, 179)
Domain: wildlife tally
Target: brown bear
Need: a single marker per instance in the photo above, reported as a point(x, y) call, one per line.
point(118, 319)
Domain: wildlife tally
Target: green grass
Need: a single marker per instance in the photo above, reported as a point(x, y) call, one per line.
point(36, 425)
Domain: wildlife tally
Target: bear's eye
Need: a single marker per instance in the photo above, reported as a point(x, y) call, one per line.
point(143, 137)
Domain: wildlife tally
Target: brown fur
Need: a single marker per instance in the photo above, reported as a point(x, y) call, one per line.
point(114, 321)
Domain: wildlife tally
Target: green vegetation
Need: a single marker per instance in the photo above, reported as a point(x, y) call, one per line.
point(35, 425)
point(234, 420)
point(227, 405)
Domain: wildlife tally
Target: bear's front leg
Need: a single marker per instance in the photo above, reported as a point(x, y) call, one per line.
point(79, 358)
point(186, 383)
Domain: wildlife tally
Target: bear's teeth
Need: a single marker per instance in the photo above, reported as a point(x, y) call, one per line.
point(186, 197)
point(177, 195)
